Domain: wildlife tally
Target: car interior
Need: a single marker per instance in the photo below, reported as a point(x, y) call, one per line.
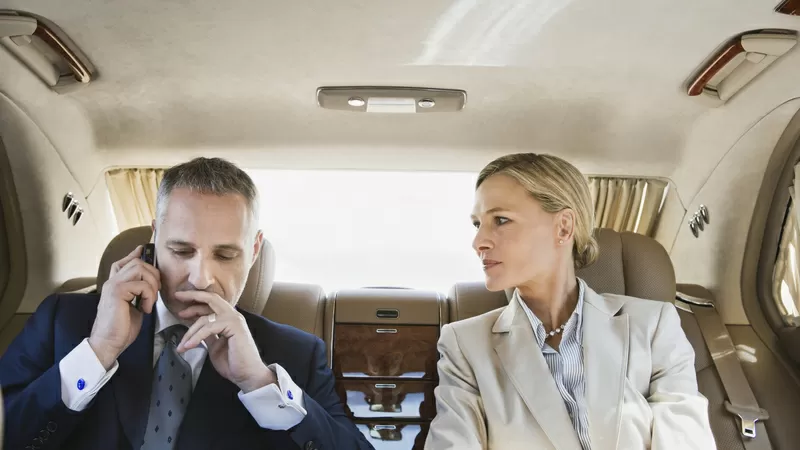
point(364, 125)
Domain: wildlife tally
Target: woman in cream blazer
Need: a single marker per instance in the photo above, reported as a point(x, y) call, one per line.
point(561, 367)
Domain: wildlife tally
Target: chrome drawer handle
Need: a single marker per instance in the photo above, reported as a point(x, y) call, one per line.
point(385, 386)
point(386, 331)
point(387, 314)
point(385, 427)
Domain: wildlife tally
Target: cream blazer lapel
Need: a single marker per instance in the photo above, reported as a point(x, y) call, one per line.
point(523, 362)
point(605, 355)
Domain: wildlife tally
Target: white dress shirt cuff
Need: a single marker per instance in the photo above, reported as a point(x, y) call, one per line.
point(277, 406)
point(82, 376)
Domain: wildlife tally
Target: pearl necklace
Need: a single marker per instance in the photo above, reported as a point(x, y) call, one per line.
point(555, 331)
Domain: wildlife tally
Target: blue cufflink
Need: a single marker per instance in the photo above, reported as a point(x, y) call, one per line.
point(289, 394)
point(81, 384)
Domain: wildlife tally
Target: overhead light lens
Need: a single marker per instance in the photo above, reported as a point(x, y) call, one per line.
point(391, 105)
point(356, 102)
point(390, 99)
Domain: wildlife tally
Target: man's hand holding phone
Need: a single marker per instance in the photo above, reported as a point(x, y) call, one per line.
point(118, 322)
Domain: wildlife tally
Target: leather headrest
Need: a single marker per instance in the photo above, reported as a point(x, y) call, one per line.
point(256, 290)
point(631, 264)
point(120, 247)
point(470, 299)
point(628, 264)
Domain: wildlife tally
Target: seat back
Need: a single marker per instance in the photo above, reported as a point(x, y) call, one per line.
point(299, 305)
point(628, 264)
point(259, 281)
point(638, 266)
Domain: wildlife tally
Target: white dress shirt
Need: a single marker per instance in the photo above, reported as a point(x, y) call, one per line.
point(278, 406)
point(566, 364)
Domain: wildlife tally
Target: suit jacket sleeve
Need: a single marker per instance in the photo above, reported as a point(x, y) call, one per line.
point(31, 383)
point(326, 425)
point(680, 412)
point(460, 420)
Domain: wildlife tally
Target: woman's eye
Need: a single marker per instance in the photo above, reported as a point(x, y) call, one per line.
point(500, 220)
point(476, 224)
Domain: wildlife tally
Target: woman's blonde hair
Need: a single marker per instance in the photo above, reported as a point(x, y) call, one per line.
point(556, 185)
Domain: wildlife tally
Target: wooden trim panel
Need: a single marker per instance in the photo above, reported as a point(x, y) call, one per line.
point(383, 399)
point(394, 434)
point(722, 59)
point(385, 351)
point(790, 7)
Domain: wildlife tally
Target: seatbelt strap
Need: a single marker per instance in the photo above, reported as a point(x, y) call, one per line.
point(741, 400)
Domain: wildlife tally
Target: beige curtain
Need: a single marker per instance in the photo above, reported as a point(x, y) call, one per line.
point(627, 204)
point(133, 195)
point(785, 277)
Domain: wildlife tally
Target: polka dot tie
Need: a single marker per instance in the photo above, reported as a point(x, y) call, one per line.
point(172, 386)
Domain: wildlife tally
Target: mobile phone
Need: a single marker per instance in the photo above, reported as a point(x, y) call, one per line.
point(148, 256)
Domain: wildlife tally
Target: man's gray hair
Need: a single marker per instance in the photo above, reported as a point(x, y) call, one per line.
point(212, 176)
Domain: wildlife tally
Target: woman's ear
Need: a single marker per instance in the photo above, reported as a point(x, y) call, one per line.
point(566, 224)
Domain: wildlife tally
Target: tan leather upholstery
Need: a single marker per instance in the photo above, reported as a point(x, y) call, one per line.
point(118, 248)
point(638, 266)
point(628, 264)
point(299, 305)
point(259, 281)
point(473, 299)
point(412, 307)
point(631, 264)
point(774, 387)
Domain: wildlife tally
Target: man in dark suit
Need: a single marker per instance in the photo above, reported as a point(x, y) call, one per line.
point(187, 371)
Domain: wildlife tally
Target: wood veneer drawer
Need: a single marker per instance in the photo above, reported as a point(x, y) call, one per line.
point(399, 351)
point(381, 399)
point(392, 435)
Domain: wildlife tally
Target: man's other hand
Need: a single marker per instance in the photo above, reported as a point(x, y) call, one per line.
point(230, 344)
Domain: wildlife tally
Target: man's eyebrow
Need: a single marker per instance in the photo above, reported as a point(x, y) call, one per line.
point(229, 247)
point(226, 247)
point(179, 243)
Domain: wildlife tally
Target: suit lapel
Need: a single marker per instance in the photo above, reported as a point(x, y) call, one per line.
point(133, 382)
point(525, 365)
point(214, 406)
point(605, 355)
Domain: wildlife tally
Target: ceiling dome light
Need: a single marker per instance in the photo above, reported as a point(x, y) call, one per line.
point(356, 102)
point(391, 99)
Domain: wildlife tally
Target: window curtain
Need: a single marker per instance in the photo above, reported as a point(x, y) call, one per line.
point(133, 195)
point(627, 204)
point(785, 276)
point(623, 204)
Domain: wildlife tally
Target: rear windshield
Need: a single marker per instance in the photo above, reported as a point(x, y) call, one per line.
point(346, 229)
